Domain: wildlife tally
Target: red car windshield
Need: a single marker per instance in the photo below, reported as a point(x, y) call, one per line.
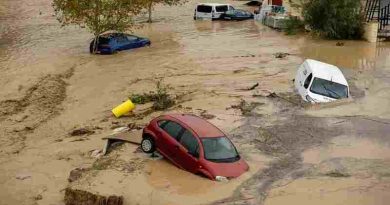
point(219, 149)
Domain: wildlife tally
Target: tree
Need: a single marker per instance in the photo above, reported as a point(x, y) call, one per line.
point(334, 19)
point(98, 16)
point(151, 3)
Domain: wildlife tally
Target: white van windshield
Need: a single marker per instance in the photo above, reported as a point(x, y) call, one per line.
point(204, 9)
point(328, 88)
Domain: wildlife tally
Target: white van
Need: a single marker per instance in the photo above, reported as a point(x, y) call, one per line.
point(211, 10)
point(320, 82)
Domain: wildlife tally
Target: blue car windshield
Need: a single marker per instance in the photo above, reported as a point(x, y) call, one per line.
point(219, 149)
point(103, 40)
point(329, 89)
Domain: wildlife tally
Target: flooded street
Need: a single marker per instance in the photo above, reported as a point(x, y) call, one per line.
point(336, 153)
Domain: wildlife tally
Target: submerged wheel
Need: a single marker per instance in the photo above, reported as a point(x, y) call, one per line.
point(147, 145)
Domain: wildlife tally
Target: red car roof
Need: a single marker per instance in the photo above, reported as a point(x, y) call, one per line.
point(202, 127)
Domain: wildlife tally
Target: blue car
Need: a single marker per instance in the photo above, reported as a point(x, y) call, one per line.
point(237, 15)
point(113, 42)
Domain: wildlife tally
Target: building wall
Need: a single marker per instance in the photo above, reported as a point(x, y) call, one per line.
point(275, 2)
point(384, 3)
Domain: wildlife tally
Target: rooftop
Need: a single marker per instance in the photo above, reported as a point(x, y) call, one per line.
point(202, 127)
point(326, 71)
point(212, 4)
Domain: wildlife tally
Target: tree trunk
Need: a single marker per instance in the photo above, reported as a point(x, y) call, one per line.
point(150, 7)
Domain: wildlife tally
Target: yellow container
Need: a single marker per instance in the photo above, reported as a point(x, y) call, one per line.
point(123, 108)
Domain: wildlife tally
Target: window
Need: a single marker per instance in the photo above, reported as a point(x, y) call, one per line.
point(219, 149)
point(162, 123)
point(204, 9)
point(103, 40)
point(221, 8)
point(230, 12)
point(190, 143)
point(307, 81)
point(131, 38)
point(242, 13)
point(329, 88)
point(121, 39)
point(231, 8)
point(173, 129)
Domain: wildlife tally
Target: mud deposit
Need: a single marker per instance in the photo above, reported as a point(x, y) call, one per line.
point(56, 101)
point(309, 156)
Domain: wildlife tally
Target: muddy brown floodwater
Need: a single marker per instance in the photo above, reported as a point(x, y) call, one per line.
point(336, 153)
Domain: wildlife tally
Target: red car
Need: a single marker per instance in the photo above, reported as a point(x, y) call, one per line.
point(193, 144)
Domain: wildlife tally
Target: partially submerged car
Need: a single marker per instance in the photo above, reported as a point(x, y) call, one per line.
point(110, 43)
point(195, 145)
point(211, 10)
point(237, 14)
point(319, 82)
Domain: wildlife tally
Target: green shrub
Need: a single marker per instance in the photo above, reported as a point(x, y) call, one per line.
point(294, 25)
point(334, 19)
point(162, 100)
point(140, 98)
point(160, 97)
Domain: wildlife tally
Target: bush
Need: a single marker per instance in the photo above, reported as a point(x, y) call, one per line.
point(294, 25)
point(160, 97)
point(334, 19)
point(162, 100)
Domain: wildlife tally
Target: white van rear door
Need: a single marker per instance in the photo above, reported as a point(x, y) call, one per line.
point(204, 11)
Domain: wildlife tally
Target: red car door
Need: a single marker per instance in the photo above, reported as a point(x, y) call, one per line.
point(167, 141)
point(188, 151)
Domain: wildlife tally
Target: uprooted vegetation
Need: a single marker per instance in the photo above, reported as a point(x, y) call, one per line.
point(246, 107)
point(160, 97)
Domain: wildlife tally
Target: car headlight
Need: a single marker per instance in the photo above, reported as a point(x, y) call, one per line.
point(221, 179)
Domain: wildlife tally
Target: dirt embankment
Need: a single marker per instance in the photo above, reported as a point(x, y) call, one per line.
point(41, 102)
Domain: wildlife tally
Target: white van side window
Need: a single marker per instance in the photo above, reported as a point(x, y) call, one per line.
point(221, 8)
point(307, 81)
point(204, 9)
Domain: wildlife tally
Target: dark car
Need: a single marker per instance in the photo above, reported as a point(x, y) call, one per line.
point(113, 42)
point(193, 144)
point(237, 14)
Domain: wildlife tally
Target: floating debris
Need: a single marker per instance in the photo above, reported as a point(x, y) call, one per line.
point(81, 131)
point(281, 55)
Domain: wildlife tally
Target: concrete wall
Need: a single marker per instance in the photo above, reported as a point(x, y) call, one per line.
point(371, 32)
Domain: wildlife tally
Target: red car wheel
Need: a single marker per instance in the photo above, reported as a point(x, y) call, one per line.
point(147, 145)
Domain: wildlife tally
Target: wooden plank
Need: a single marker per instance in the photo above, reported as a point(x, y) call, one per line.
point(132, 136)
